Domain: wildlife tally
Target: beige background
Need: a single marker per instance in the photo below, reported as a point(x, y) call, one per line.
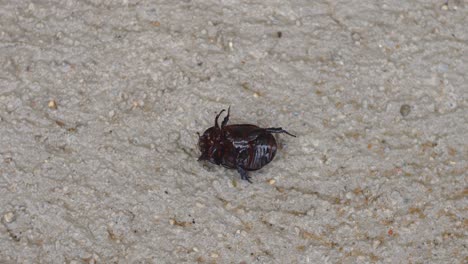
point(375, 90)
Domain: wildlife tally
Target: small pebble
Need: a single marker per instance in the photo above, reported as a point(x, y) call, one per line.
point(10, 107)
point(52, 104)
point(405, 110)
point(234, 183)
point(355, 36)
point(272, 181)
point(376, 244)
point(214, 255)
point(9, 217)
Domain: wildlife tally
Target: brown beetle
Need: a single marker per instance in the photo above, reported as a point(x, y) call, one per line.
point(242, 147)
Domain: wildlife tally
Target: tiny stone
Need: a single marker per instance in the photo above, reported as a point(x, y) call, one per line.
point(9, 217)
point(405, 110)
point(272, 181)
point(376, 244)
point(172, 222)
point(214, 255)
point(355, 36)
point(195, 249)
point(297, 230)
point(10, 107)
point(52, 104)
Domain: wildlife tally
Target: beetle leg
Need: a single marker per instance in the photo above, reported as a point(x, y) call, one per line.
point(278, 130)
point(243, 174)
point(226, 119)
point(242, 171)
point(217, 116)
point(257, 132)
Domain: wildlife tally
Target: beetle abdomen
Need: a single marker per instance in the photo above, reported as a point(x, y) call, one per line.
point(261, 151)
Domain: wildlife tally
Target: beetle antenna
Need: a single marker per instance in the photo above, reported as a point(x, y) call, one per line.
point(217, 116)
point(226, 119)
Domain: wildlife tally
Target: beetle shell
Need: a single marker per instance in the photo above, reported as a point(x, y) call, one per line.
point(243, 147)
point(252, 153)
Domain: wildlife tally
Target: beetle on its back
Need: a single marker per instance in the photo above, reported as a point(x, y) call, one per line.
point(242, 147)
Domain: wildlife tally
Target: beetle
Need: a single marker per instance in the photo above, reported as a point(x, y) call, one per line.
point(243, 147)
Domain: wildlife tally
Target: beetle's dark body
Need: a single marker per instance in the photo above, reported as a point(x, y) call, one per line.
point(243, 147)
point(250, 153)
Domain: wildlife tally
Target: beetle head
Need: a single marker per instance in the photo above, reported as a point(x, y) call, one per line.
point(211, 145)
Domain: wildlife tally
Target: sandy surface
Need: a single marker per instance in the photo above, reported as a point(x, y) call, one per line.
point(100, 102)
